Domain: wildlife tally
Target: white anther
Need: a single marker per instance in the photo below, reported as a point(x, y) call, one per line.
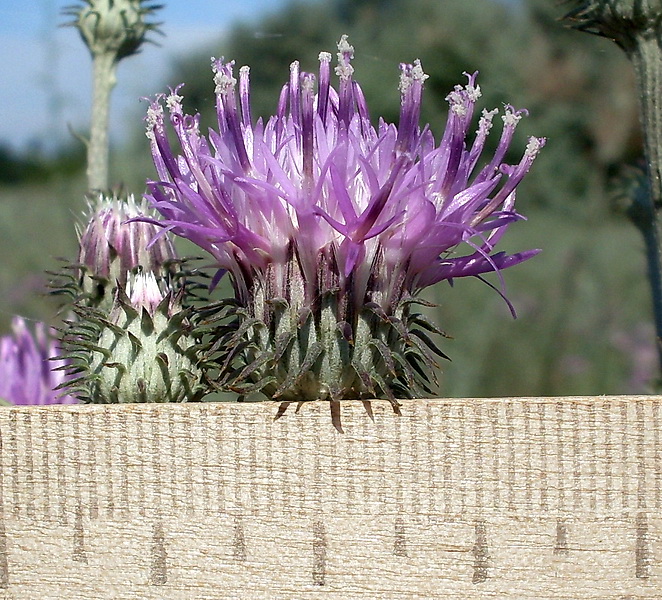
point(224, 83)
point(417, 73)
point(473, 92)
point(174, 101)
point(308, 84)
point(533, 147)
point(344, 47)
point(511, 119)
point(459, 109)
point(154, 116)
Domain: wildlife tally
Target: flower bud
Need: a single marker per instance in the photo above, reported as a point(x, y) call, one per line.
point(623, 21)
point(115, 27)
point(142, 351)
point(111, 246)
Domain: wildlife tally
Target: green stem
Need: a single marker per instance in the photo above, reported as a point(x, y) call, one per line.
point(104, 68)
point(646, 56)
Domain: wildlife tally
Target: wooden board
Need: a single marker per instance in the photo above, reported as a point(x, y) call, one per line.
point(462, 498)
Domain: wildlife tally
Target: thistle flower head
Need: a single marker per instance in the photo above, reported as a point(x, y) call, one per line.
point(29, 372)
point(111, 246)
point(318, 212)
point(141, 351)
point(116, 27)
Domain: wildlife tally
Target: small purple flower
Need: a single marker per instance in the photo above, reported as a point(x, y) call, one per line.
point(29, 372)
point(322, 211)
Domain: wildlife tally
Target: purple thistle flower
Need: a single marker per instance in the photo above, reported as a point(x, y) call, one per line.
point(29, 372)
point(319, 203)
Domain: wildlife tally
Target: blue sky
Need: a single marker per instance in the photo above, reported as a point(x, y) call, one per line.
point(45, 69)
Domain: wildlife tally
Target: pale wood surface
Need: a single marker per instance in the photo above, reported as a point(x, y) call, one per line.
point(473, 498)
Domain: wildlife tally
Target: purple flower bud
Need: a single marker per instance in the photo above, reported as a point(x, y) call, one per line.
point(111, 245)
point(142, 350)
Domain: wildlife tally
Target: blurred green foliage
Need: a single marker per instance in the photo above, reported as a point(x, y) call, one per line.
point(34, 167)
point(584, 323)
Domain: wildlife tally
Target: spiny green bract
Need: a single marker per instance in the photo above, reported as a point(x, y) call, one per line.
point(143, 350)
point(296, 356)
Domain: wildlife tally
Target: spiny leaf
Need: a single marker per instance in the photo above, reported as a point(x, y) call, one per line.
point(283, 342)
point(249, 388)
point(405, 302)
point(136, 344)
point(428, 342)
point(364, 376)
point(424, 374)
point(374, 308)
point(422, 350)
point(116, 365)
point(422, 321)
point(385, 353)
point(249, 369)
point(388, 392)
point(399, 326)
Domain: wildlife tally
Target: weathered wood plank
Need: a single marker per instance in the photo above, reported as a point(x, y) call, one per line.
point(460, 498)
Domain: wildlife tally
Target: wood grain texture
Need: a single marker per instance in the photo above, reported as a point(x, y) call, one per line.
point(462, 498)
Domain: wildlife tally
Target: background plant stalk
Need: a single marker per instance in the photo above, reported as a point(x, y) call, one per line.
point(636, 26)
point(646, 57)
point(104, 80)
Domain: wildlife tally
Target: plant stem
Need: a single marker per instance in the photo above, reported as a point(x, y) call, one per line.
point(104, 79)
point(636, 26)
point(649, 228)
point(646, 57)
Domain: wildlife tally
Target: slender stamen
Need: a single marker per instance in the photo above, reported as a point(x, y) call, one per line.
point(510, 119)
point(153, 117)
point(295, 93)
point(245, 96)
point(344, 71)
point(281, 111)
point(515, 175)
point(472, 89)
point(324, 83)
point(412, 78)
point(307, 130)
point(159, 141)
point(454, 137)
point(221, 81)
point(484, 128)
point(174, 101)
point(225, 95)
